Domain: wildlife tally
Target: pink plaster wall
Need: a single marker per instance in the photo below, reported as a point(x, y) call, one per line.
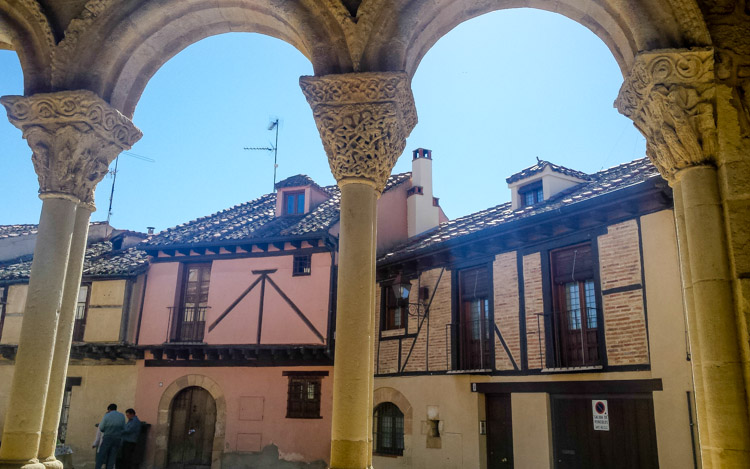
point(229, 279)
point(161, 288)
point(392, 218)
point(297, 439)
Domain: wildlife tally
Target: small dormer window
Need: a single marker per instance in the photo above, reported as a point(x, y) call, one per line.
point(531, 194)
point(294, 203)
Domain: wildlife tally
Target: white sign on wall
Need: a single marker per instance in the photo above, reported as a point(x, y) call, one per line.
point(600, 411)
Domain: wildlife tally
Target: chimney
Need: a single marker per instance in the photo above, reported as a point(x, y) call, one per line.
point(423, 212)
point(150, 230)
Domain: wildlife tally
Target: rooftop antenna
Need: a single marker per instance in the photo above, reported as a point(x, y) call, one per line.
point(274, 124)
point(114, 179)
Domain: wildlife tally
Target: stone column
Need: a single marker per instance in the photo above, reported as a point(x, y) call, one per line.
point(73, 135)
point(363, 120)
point(671, 97)
point(65, 323)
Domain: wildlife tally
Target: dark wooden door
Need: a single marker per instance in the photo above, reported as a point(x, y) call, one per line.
point(630, 442)
point(191, 429)
point(499, 431)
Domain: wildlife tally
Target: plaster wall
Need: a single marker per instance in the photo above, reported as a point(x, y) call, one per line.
point(447, 399)
point(105, 310)
point(531, 423)
point(666, 327)
point(255, 417)
point(392, 218)
point(161, 294)
point(16, 303)
point(12, 248)
point(229, 280)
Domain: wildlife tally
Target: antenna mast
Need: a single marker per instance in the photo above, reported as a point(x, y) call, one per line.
point(274, 124)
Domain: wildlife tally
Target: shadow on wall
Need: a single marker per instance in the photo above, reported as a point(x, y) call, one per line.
point(266, 459)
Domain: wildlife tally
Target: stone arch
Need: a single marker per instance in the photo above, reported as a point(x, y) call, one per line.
point(401, 39)
point(140, 40)
point(25, 29)
point(161, 430)
point(386, 394)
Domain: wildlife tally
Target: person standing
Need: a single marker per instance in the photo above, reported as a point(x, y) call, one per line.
point(111, 427)
point(130, 440)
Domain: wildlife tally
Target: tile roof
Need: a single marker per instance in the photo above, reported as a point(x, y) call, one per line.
point(10, 231)
point(297, 180)
point(100, 261)
point(540, 166)
point(602, 182)
point(257, 220)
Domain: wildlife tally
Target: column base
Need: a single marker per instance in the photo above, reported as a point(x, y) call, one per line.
point(52, 463)
point(29, 464)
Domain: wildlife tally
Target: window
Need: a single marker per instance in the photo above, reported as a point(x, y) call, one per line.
point(388, 429)
point(294, 203)
point(81, 313)
point(303, 401)
point(190, 317)
point(62, 427)
point(393, 311)
point(575, 321)
point(302, 265)
point(473, 332)
point(3, 301)
point(531, 194)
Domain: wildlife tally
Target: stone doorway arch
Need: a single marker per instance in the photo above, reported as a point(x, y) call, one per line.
point(161, 432)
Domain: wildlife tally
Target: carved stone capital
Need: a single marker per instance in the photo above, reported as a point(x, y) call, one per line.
point(73, 135)
point(670, 96)
point(363, 120)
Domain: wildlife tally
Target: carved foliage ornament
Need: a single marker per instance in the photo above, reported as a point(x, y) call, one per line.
point(363, 120)
point(74, 136)
point(669, 95)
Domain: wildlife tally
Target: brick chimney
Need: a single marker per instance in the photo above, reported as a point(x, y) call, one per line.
point(422, 209)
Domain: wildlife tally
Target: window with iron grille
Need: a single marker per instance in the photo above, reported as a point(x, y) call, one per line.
point(303, 401)
point(388, 429)
point(302, 265)
point(62, 428)
point(575, 320)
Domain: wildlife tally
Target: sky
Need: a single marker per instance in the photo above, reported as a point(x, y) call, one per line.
point(491, 95)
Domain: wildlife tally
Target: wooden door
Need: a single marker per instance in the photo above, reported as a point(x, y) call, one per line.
point(191, 429)
point(499, 431)
point(630, 442)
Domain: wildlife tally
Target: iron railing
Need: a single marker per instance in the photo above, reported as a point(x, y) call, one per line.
point(575, 338)
point(186, 323)
point(469, 345)
point(80, 322)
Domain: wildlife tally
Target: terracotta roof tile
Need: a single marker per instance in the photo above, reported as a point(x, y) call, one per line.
point(602, 182)
point(540, 166)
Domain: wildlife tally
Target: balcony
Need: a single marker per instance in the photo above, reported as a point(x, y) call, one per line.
point(469, 345)
point(575, 339)
point(186, 323)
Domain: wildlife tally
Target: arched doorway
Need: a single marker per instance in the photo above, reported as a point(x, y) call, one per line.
point(192, 424)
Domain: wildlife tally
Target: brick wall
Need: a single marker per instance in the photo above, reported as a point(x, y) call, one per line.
point(624, 313)
point(619, 256)
point(625, 328)
point(534, 301)
point(388, 357)
point(440, 317)
point(506, 299)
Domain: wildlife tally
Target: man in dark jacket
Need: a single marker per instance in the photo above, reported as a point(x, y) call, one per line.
point(130, 440)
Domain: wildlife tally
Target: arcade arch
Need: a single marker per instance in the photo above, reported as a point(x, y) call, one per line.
point(693, 114)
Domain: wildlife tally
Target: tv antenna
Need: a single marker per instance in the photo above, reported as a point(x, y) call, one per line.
point(274, 124)
point(113, 173)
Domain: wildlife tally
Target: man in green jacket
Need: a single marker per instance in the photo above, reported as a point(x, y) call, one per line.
point(111, 427)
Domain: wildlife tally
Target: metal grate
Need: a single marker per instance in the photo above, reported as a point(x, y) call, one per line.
point(388, 429)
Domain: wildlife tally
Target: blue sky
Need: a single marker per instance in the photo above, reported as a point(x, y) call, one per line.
point(491, 95)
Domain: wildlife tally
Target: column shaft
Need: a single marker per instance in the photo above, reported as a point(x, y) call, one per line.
point(720, 362)
point(25, 410)
point(356, 284)
point(63, 340)
point(373, 335)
